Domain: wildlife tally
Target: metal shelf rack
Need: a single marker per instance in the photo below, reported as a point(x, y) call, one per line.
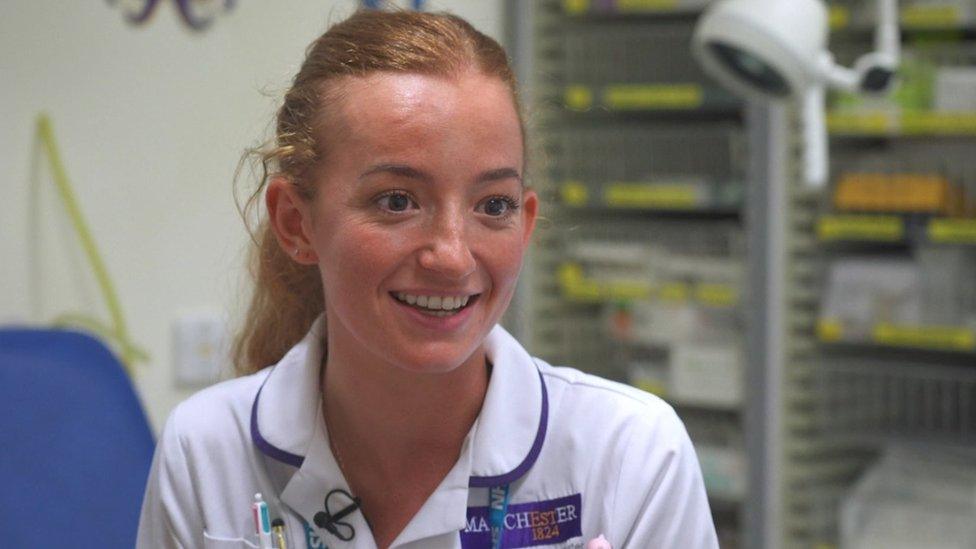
point(881, 372)
point(642, 163)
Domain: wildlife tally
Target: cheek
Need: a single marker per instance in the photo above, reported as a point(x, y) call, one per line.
point(352, 254)
point(504, 260)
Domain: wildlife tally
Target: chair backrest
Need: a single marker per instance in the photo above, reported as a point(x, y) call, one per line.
point(75, 445)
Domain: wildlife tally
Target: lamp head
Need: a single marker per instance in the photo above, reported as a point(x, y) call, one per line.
point(764, 48)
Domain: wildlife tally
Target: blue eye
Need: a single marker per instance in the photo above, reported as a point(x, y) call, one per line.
point(395, 202)
point(500, 206)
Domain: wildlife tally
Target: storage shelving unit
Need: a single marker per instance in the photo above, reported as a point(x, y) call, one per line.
point(881, 273)
point(639, 268)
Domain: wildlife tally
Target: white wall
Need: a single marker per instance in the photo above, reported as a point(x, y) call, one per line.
point(151, 122)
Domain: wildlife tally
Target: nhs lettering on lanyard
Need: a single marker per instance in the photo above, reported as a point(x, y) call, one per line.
point(312, 540)
point(498, 507)
point(522, 525)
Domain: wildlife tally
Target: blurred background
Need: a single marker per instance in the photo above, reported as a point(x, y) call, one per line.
point(819, 343)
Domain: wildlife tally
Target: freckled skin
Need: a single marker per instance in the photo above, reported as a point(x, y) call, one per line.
point(450, 130)
point(418, 191)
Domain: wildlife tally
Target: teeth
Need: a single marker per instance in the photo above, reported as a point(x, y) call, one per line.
point(446, 304)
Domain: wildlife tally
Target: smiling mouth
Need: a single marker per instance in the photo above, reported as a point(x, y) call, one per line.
point(439, 306)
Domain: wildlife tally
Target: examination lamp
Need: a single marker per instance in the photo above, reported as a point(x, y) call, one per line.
point(777, 50)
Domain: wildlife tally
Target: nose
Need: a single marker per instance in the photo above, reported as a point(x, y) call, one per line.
point(447, 251)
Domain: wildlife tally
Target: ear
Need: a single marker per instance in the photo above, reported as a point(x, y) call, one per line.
point(289, 216)
point(530, 211)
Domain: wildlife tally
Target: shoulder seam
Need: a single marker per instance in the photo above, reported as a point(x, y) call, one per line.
point(585, 383)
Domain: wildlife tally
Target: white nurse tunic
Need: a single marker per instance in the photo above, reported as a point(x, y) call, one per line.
point(582, 456)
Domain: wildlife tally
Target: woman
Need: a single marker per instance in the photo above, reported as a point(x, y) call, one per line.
point(380, 405)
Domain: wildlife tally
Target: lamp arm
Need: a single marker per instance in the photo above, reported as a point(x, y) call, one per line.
point(887, 36)
point(873, 72)
point(815, 146)
point(837, 76)
point(877, 69)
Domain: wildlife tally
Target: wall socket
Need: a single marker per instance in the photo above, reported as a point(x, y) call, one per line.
point(200, 349)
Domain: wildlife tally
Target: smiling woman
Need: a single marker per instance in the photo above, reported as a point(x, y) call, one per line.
point(379, 403)
point(420, 196)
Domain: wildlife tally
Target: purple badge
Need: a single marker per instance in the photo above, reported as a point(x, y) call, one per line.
point(527, 524)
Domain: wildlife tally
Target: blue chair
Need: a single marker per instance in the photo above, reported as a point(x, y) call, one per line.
point(76, 445)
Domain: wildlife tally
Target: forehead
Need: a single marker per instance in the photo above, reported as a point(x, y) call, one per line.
point(392, 110)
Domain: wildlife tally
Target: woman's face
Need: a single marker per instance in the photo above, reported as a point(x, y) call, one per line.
point(421, 219)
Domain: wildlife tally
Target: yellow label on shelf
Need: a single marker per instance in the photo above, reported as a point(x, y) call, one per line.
point(829, 331)
point(931, 16)
point(576, 7)
point(955, 231)
point(630, 97)
point(628, 290)
point(584, 291)
point(576, 286)
point(574, 193)
point(637, 6)
point(673, 291)
point(859, 123)
point(948, 338)
point(882, 228)
point(569, 274)
point(716, 295)
point(675, 196)
point(939, 123)
point(578, 98)
point(839, 17)
point(653, 387)
point(909, 123)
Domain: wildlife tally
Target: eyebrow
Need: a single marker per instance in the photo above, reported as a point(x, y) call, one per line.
point(499, 174)
point(403, 170)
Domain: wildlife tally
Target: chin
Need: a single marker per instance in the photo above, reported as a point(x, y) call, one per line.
point(434, 362)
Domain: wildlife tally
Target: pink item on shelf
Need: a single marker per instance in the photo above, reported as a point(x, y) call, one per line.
point(599, 543)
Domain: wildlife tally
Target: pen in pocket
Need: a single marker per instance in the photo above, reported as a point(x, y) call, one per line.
point(262, 522)
point(278, 528)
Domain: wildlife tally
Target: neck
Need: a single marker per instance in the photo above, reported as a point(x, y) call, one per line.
point(393, 422)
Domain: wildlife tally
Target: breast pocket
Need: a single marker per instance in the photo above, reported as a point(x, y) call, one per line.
point(211, 541)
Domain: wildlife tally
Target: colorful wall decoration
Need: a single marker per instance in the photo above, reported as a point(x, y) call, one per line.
point(197, 14)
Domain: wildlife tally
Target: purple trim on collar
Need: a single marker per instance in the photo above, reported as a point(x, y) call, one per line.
point(540, 436)
point(266, 447)
point(475, 482)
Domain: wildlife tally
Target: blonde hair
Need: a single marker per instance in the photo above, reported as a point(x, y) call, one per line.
point(288, 296)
